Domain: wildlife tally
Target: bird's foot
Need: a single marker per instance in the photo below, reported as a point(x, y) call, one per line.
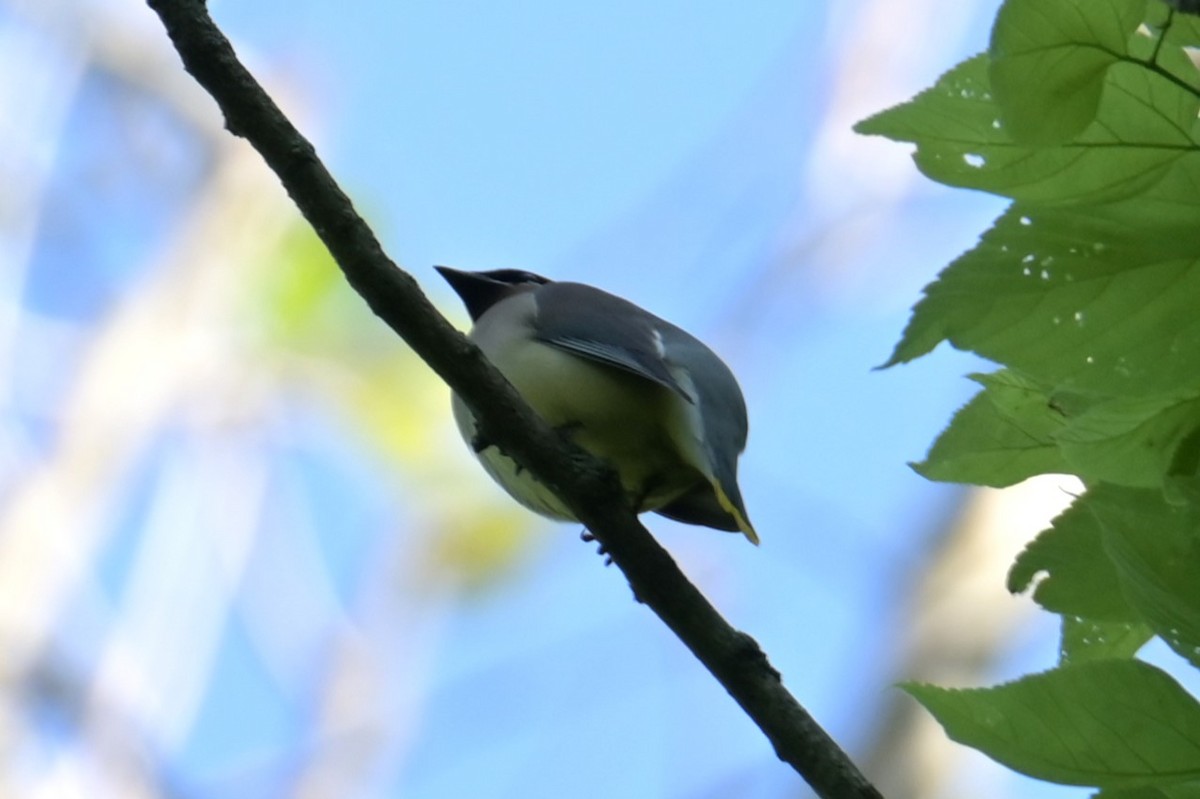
point(587, 537)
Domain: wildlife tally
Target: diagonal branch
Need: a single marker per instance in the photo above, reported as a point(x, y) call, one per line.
point(588, 488)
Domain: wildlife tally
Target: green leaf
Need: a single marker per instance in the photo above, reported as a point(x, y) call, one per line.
point(1132, 442)
point(1168, 36)
point(1015, 429)
point(1142, 143)
point(1002, 436)
point(1073, 300)
point(1087, 639)
point(1181, 790)
point(1049, 61)
point(1155, 548)
point(1182, 487)
point(1069, 569)
point(1086, 291)
point(1106, 723)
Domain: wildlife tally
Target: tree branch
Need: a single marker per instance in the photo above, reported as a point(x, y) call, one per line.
point(587, 487)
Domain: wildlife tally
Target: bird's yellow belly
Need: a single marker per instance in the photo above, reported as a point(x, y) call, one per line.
point(615, 415)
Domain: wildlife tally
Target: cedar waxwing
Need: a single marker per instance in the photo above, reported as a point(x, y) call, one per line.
point(636, 391)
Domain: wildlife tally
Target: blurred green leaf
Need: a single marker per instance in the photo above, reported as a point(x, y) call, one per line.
point(316, 332)
point(303, 299)
point(479, 544)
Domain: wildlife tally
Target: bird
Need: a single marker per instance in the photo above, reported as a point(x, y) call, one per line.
point(650, 399)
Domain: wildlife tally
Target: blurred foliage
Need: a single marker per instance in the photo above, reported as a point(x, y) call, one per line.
point(311, 324)
point(1084, 114)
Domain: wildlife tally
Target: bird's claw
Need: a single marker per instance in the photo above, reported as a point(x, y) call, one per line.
point(587, 537)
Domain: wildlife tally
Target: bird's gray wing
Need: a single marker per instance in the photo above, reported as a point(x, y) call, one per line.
point(594, 324)
point(602, 327)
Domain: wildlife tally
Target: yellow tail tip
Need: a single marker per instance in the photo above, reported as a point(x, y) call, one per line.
point(738, 515)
